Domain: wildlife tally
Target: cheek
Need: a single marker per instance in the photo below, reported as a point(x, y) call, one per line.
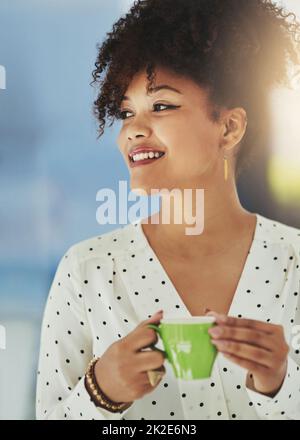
point(188, 142)
point(121, 137)
point(122, 141)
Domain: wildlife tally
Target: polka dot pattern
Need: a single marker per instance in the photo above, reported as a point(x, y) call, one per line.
point(106, 285)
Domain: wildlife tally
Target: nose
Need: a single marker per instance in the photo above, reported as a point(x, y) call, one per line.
point(137, 136)
point(138, 128)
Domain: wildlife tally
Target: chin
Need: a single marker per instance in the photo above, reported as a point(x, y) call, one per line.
point(143, 190)
point(140, 185)
point(140, 191)
point(150, 188)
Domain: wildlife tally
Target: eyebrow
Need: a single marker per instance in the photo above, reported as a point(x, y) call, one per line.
point(155, 90)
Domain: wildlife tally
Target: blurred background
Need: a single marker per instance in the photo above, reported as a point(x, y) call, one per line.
point(51, 165)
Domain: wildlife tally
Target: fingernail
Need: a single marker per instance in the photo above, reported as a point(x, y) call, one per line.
point(222, 318)
point(215, 331)
point(218, 316)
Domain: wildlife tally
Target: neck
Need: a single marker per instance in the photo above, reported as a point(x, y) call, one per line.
point(225, 223)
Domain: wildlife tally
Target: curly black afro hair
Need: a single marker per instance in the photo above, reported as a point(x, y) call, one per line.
point(235, 49)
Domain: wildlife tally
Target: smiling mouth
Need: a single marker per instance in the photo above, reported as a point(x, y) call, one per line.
point(144, 161)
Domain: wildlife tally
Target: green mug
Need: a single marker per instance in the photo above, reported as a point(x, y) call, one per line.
point(188, 346)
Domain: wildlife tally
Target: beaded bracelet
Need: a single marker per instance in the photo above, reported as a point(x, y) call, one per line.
point(97, 395)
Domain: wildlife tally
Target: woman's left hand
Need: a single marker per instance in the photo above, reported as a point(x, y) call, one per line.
point(257, 346)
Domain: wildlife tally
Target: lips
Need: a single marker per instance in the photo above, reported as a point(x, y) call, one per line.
point(142, 149)
point(138, 163)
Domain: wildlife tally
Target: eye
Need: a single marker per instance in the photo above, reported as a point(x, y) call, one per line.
point(165, 105)
point(122, 114)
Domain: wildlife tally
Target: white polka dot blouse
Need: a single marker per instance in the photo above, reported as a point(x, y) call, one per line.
point(106, 285)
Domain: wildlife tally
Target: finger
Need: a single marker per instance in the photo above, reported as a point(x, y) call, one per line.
point(144, 339)
point(244, 322)
point(143, 374)
point(256, 338)
point(246, 351)
point(156, 316)
point(254, 367)
point(157, 375)
point(143, 336)
point(149, 360)
point(148, 386)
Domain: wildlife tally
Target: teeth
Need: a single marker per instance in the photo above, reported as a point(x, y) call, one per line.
point(143, 156)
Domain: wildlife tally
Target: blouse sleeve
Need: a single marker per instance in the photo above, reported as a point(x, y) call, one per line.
point(66, 348)
point(285, 405)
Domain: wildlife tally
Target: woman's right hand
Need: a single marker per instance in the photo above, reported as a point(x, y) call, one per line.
point(121, 372)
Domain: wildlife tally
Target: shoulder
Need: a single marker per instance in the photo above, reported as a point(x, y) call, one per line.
point(277, 232)
point(105, 246)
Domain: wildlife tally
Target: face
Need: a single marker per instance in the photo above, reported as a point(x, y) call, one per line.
point(176, 123)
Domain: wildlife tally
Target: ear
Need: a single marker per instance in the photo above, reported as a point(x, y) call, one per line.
point(233, 128)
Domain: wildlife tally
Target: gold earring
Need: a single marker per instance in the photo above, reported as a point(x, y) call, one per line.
point(225, 168)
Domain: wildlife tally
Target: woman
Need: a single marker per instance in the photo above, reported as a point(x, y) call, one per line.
point(190, 81)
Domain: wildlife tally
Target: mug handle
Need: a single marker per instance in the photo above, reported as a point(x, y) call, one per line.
point(157, 329)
